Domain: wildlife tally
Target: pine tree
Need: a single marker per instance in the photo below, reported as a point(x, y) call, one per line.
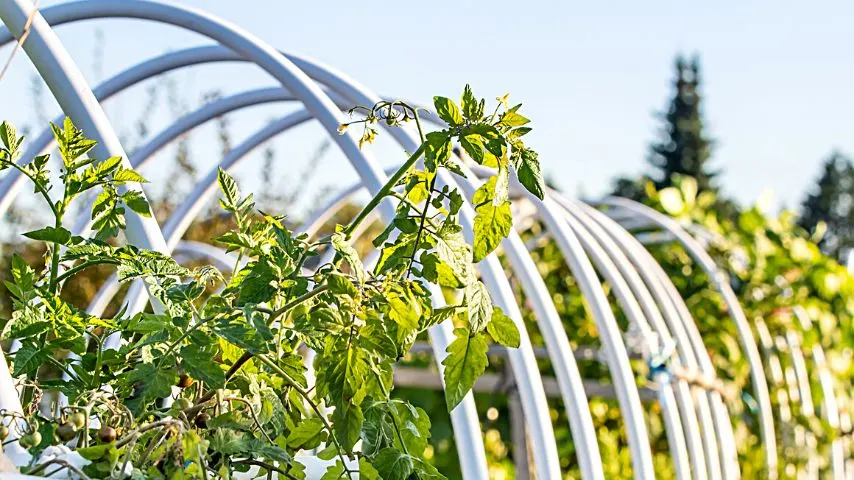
point(832, 202)
point(683, 149)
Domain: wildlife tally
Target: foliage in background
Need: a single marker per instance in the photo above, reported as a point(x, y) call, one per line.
point(774, 267)
point(828, 210)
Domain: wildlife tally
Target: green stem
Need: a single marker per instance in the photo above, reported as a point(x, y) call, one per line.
point(54, 262)
point(77, 268)
point(384, 191)
point(293, 303)
point(313, 406)
point(423, 219)
point(38, 186)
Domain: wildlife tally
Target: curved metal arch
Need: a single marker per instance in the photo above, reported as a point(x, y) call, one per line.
point(703, 449)
point(831, 408)
point(717, 424)
point(713, 411)
point(746, 337)
point(684, 441)
point(678, 318)
point(795, 377)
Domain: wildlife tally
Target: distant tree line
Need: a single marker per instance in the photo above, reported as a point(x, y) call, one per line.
point(683, 148)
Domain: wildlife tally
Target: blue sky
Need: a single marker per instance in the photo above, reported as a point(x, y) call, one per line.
point(777, 76)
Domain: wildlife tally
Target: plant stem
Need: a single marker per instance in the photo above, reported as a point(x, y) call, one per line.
point(384, 191)
point(77, 268)
point(266, 465)
point(423, 219)
point(38, 186)
point(160, 423)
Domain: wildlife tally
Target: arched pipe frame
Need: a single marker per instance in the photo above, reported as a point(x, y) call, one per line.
point(793, 377)
point(710, 447)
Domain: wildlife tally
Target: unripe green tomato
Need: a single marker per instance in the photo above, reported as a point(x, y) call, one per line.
point(183, 403)
point(4, 432)
point(78, 419)
point(30, 440)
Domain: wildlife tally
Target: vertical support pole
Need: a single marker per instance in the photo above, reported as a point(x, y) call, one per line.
point(518, 434)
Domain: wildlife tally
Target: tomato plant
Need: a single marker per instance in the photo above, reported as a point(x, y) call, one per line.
point(212, 381)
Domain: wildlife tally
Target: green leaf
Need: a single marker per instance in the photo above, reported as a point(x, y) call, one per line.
point(136, 201)
point(491, 223)
point(229, 189)
point(259, 285)
point(200, 363)
point(341, 372)
point(148, 323)
point(438, 149)
point(470, 104)
point(308, 434)
point(347, 424)
point(402, 309)
point(511, 118)
point(156, 382)
point(128, 175)
point(51, 235)
point(413, 424)
point(529, 173)
point(393, 464)
point(350, 255)
point(448, 111)
point(367, 471)
point(452, 249)
point(503, 330)
point(478, 305)
point(335, 472)
point(437, 271)
point(473, 146)
point(341, 285)
point(71, 143)
point(427, 471)
point(439, 315)
point(9, 136)
point(28, 359)
point(465, 362)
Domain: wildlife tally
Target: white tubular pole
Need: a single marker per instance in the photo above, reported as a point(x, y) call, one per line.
point(618, 271)
point(748, 343)
point(717, 430)
point(676, 314)
point(831, 408)
point(682, 396)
